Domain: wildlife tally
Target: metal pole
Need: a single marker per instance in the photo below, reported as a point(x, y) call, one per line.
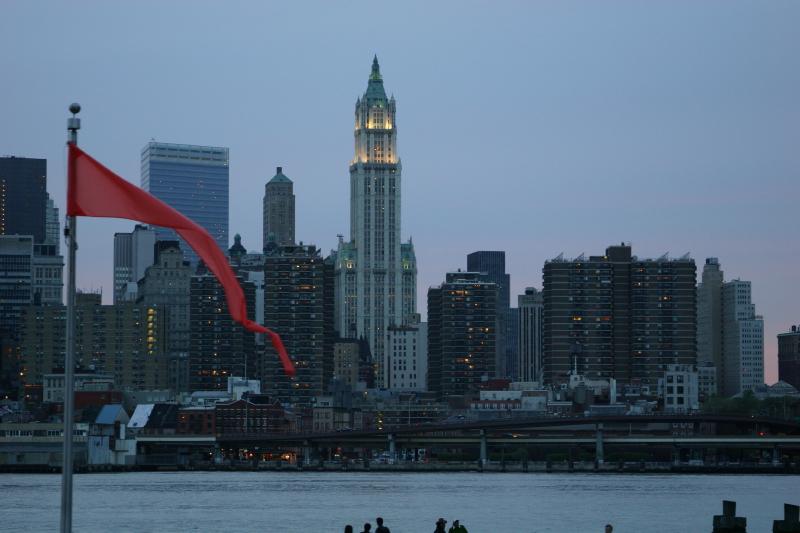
point(73, 125)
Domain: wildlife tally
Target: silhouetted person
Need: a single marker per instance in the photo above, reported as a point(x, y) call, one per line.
point(440, 526)
point(609, 528)
point(348, 529)
point(367, 528)
point(381, 528)
point(457, 528)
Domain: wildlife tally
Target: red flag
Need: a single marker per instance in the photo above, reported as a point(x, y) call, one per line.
point(95, 191)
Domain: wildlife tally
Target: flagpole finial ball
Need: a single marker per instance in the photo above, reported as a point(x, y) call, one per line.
point(75, 108)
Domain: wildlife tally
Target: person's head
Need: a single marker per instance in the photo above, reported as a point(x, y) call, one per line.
point(441, 522)
point(348, 529)
point(379, 520)
point(455, 523)
point(609, 528)
point(367, 526)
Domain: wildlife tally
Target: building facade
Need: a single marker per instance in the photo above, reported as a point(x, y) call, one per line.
point(134, 252)
point(126, 341)
point(375, 272)
point(294, 308)
point(194, 180)
point(493, 265)
point(742, 340)
point(617, 316)
point(709, 314)
point(406, 365)
point(279, 210)
point(219, 348)
point(23, 197)
point(530, 340)
point(789, 357)
point(462, 317)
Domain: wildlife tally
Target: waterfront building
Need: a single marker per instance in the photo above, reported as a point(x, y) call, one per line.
point(279, 210)
point(218, 347)
point(618, 316)
point(530, 328)
point(166, 285)
point(23, 197)
point(462, 321)
point(375, 272)
point(294, 308)
point(134, 252)
point(680, 389)
point(255, 413)
point(125, 340)
point(493, 265)
point(789, 357)
point(406, 365)
point(194, 180)
point(742, 340)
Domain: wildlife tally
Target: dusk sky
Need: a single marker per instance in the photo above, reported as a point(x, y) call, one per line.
point(531, 127)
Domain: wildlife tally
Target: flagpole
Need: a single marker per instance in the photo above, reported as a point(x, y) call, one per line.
point(73, 125)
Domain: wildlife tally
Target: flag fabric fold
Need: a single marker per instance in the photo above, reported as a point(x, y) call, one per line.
point(95, 191)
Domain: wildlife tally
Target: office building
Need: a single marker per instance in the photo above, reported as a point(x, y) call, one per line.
point(789, 357)
point(530, 340)
point(166, 286)
point(126, 341)
point(681, 390)
point(23, 197)
point(618, 316)
point(52, 229)
point(134, 252)
point(709, 314)
point(194, 180)
point(462, 317)
point(294, 308)
point(375, 272)
point(406, 365)
point(279, 210)
point(742, 340)
point(493, 265)
point(219, 348)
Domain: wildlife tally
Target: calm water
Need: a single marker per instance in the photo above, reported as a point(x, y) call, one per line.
point(320, 502)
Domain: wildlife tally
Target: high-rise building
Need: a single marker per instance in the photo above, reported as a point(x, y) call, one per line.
point(742, 340)
point(730, 336)
point(52, 230)
point(617, 316)
point(530, 340)
point(16, 282)
point(134, 252)
point(294, 278)
point(193, 180)
point(493, 266)
point(462, 317)
point(789, 357)
point(709, 314)
point(125, 340)
point(23, 197)
point(165, 286)
point(406, 365)
point(279, 210)
point(219, 348)
point(376, 273)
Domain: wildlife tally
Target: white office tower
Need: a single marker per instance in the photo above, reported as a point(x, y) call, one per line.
point(405, 366)
point(375, 272)
point(742, 340)
point(530, 335)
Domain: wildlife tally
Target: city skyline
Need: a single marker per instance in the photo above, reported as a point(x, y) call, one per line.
point(692, 155)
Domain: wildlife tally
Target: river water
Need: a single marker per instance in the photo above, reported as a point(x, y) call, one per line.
point(409, 502)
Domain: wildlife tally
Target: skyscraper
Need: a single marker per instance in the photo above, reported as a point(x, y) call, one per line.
point(742, 340)
point(279, 210)
point(531, 334)
point(462, 321)
point(493, 266)
point(730, 336)
point(134, 252)
point(376, 273)
point(617, 316)
point(193, 180)
point(23, 197)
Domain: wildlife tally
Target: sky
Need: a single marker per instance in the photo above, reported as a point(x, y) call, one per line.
point(531, 127)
